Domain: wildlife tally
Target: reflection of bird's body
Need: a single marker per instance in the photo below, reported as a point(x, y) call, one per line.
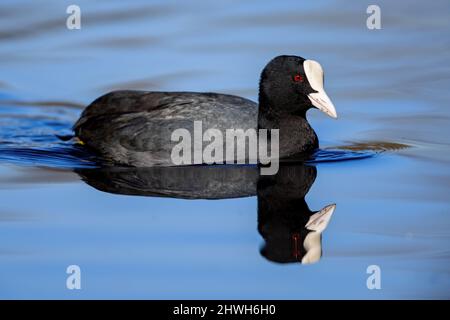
point(182, 182)
point(134, 128)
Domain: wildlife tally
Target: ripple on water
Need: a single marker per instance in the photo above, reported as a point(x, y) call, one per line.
point(332, 155)
point(355, 151)
point(70, 156)
point(31, 136)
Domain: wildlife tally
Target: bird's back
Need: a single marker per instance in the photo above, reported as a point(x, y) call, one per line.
point(135, 127)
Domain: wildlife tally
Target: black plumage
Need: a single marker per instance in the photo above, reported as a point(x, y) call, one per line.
point(134, 127)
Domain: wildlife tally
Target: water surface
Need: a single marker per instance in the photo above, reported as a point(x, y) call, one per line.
point(125, 229)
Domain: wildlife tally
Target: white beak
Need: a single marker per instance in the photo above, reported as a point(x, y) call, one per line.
point(319, 99)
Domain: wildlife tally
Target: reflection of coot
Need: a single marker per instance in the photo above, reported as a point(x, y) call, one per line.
point(188, 182)
point(292, 232)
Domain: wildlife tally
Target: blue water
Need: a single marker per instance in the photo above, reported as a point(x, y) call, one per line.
point(152, 234)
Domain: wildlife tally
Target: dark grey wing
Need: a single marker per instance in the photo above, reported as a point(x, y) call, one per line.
point(135, 128)
point(122, 102)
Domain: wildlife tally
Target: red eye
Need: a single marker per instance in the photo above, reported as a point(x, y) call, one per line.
point(298, 78)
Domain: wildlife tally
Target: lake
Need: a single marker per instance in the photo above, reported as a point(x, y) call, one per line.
point(133, 238)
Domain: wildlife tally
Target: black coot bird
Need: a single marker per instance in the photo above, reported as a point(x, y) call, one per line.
point(134, 127)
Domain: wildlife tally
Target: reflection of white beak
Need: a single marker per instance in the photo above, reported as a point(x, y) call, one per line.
point(319, 220)
point(313, 240)
point(319, 99)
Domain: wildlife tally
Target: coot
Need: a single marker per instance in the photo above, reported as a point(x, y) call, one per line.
point(135, 127)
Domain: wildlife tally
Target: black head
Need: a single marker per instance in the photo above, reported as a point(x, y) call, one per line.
point(292, 85)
